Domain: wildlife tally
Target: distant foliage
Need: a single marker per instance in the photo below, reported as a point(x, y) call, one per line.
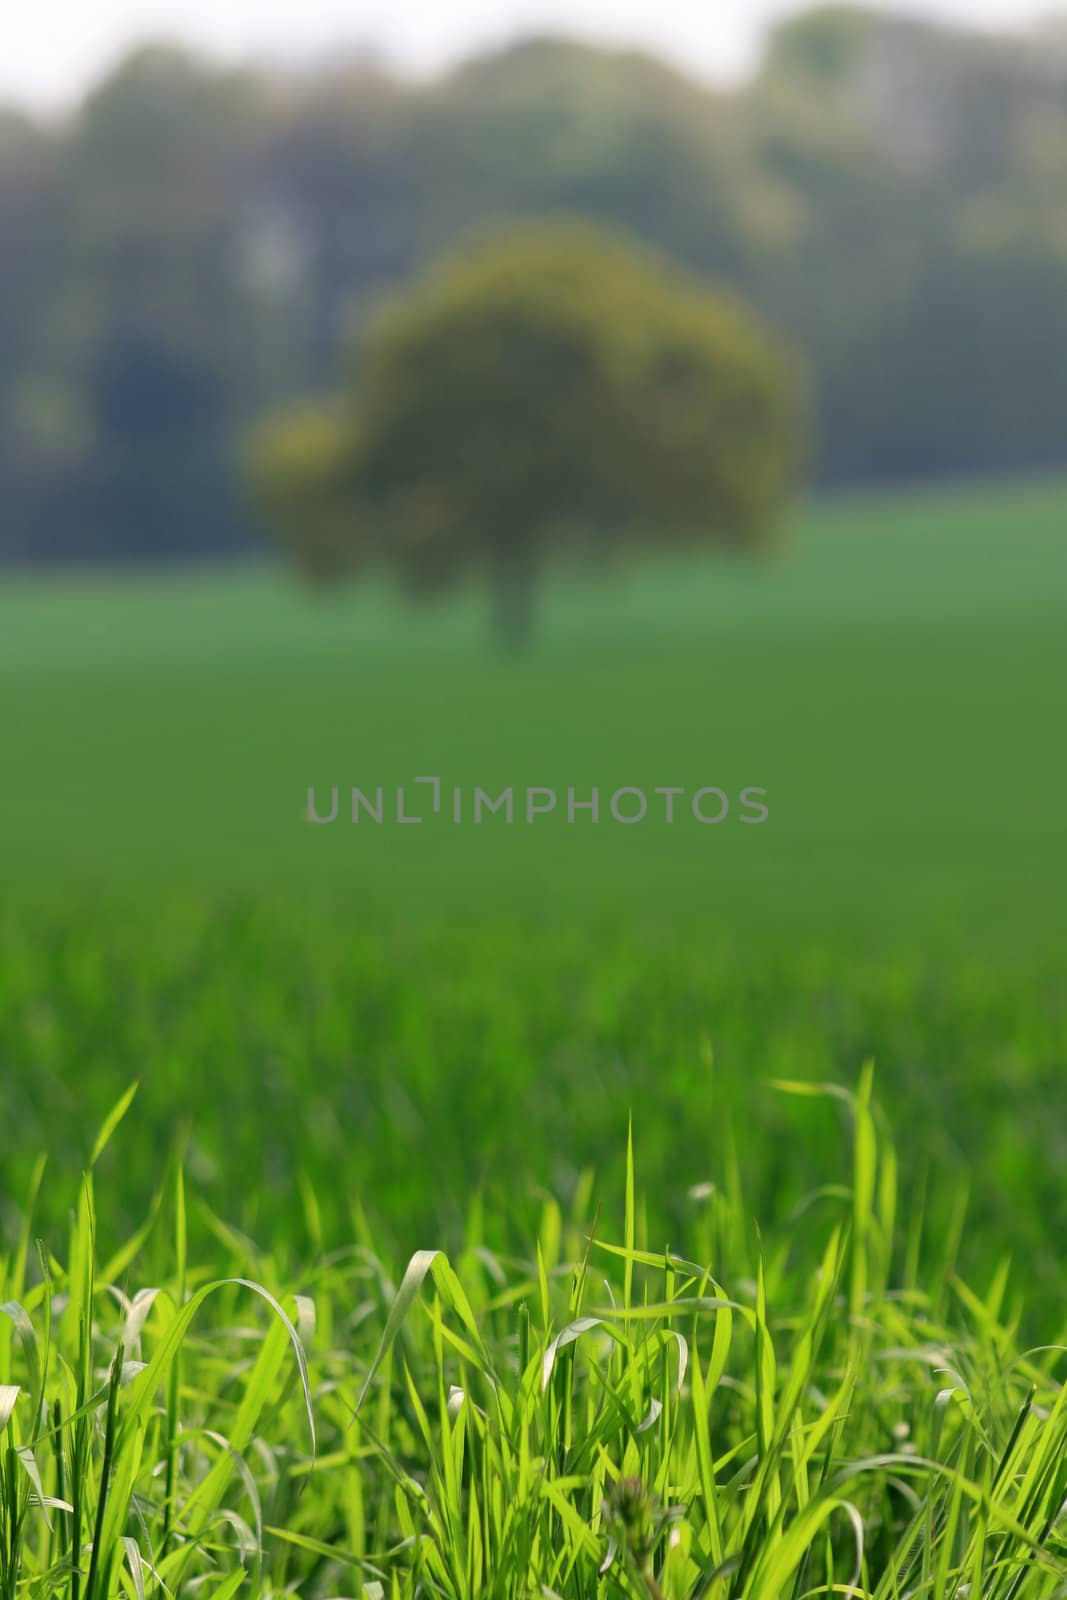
point(553, 390)
point(887, 192)
point(301, 470)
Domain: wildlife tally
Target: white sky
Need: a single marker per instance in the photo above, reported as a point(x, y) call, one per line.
point(50, 48)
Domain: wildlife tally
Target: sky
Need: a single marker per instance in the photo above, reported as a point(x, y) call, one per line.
point(50, 49)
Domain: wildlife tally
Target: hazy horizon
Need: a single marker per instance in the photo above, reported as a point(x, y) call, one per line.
point(420, 38)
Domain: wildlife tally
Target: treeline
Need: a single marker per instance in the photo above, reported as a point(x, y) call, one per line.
point(198, 244)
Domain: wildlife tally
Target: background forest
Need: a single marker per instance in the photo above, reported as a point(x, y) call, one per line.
point(197, 245)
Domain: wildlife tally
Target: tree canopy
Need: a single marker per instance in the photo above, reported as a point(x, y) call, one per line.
point(554, 389)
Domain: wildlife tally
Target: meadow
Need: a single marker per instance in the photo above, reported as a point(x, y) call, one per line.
point(894, 680)
point(356, 1043)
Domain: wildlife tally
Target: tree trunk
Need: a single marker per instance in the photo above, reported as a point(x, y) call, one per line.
point(512, 601)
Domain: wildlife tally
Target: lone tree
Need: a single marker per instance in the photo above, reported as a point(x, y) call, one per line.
point(556, 390)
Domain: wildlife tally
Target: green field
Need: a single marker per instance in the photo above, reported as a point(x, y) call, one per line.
point(894, 681)
point(366, 1040)
point(493, 994)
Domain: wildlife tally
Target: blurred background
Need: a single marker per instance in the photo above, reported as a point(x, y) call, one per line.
point(197, 233)
point(198, 229)
point(191, 239)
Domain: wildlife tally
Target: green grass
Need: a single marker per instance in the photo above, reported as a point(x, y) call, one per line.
point(824, 1409)
point(436, 1011)
point(356, 1044)
point(405, 1073)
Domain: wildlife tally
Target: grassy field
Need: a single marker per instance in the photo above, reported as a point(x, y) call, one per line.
point(825, 1408)
point(357, 1042)
point(894, 682)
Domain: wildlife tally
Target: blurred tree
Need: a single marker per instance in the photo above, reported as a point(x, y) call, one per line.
point(555, 389)
point(37, 435)
point(163, 333)
point(823, 46)
point(302, 471)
